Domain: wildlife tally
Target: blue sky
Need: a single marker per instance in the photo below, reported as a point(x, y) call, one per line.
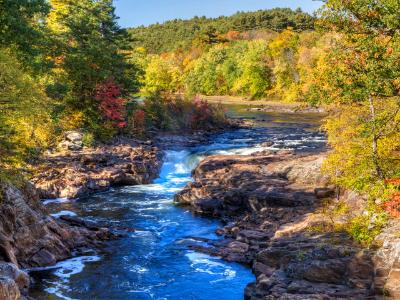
point(144, 12)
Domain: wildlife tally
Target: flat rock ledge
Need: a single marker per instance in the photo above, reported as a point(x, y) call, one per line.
point(30, 238)
point(72, 174)
point(271, 204)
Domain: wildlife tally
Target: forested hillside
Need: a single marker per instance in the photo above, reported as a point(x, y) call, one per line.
point(175, 34)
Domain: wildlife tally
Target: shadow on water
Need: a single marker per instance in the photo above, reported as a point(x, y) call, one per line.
point(154, 262)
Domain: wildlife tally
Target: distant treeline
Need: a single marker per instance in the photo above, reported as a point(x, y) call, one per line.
point(177, 33)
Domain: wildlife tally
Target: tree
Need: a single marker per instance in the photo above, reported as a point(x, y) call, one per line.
point(22, 26)
point(363, 76)
point(255, 77)
point(92, 52)
point(284, 51)
point(171, 35)
point(25, 123)
point(162, 74)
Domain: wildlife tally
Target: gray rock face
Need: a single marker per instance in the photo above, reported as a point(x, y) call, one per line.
point(232, 185)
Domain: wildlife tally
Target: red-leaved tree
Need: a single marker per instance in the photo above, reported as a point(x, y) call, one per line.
point(392, 207)
point(202, 114)
point(112, 105)
point(138, 121)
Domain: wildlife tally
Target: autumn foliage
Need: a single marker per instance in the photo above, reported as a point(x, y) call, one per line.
point(138, 121)
point(392, 206)
point(111, 104)
point(202, 113)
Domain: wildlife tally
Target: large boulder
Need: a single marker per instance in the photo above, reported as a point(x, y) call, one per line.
point(12, 281)
point(72, 141)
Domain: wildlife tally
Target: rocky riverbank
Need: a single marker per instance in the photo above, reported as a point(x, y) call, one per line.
point(29, 237)
point(78, 171)
point(74, 171)
point(267, 105)
point(275, 206)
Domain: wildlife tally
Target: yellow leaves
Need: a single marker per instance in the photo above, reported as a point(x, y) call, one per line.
point(350, 133)
point(163, 73)
point(373, 14)
point(71, 120)
point(25, 122)
point(186, 62)
point(59, 9)
point(283, 40)
point(141, 50)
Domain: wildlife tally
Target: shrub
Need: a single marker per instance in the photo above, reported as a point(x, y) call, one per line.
point(112, 105)
point(365, 228)
point(137, 122)
point(88, 139)
point(167, 113)
point(392, 206)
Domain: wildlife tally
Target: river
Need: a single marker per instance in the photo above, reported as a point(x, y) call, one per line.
point(154, 262)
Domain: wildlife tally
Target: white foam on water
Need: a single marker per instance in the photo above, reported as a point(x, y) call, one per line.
point(179, 180)
point(64, 213)
point(64, 270)
point(142, 233)
point(138, 269)
point(204, 263)
point(181, 168)
point(244, 151)
point(69, 267)
point(58, 200)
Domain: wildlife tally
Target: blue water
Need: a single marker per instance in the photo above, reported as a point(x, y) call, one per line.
point(155, 262)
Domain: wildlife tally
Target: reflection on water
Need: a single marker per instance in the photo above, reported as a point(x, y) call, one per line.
point(154, 262)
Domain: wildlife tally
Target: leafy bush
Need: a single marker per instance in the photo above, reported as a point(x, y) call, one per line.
point(392, 206)
point(167, 113)
point(111, 104)
point(365, 228)
point(88, 139)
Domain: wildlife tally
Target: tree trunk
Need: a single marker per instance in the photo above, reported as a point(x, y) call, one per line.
point(375, 156)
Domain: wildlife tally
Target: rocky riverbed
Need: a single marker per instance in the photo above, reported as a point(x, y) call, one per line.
point(271, 203)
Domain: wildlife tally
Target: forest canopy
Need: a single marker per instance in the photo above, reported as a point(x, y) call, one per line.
point(178, 33)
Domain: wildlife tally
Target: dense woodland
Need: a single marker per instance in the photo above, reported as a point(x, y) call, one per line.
point(67, 65)
point(177, 34)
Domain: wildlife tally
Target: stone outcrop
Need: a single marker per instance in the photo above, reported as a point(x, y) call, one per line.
point(231, 185)
point(72, 174)
point(272, 203)
point(387, 261)
point(29, 237)
point(73, 140)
